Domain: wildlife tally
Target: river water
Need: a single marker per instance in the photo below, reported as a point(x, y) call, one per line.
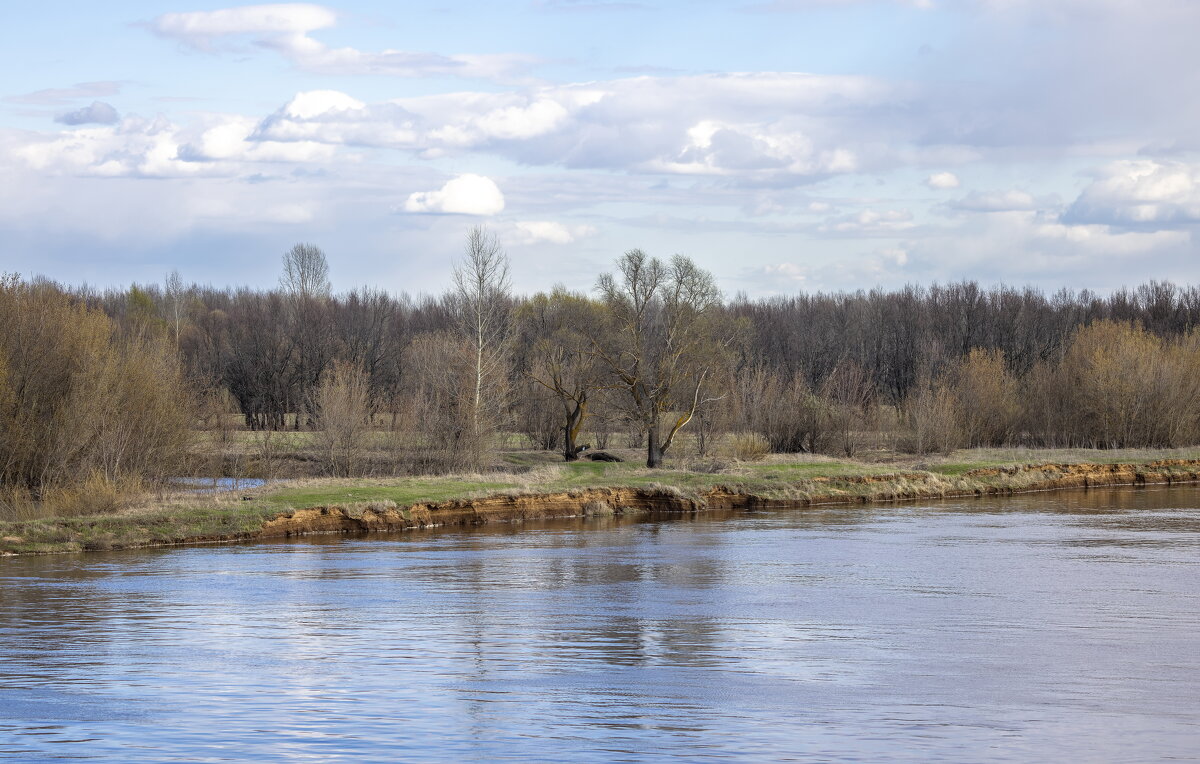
point(1049, 627)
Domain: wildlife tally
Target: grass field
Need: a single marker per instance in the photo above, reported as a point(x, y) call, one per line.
point(164, 518)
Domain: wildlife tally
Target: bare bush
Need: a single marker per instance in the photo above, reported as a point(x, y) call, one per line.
point(750, 447)
point(1117, 386)
point(538, 417)
point(342, 408)
point(441, 433)
point(931, 414)
point(783, 410)
point(986, 399)
point(76, 400)
point(849, 398)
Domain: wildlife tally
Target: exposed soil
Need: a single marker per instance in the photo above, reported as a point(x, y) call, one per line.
point(840, 490)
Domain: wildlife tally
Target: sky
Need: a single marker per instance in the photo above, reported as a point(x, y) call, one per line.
point(785, 145)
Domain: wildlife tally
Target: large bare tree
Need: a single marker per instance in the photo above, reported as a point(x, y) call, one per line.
point(484, 316)
point(662, 342)
point(305, 272)
point(305, 281)
point(554, 329)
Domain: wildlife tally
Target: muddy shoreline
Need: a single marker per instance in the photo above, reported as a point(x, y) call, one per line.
point(904, 486)
point(133, 532)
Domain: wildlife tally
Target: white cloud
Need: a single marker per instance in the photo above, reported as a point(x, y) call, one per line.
point(232, 138)
point(1037, 247)
point(1140, 192)
point(98, 113)
point(285, 28)
point(869, 222)
point(942, 180)
point(536, 231)
point(466, 194)
point(786, 271)
point(757, 127)
point(222, 146)
point(319, 103)
point(200, 28)
point(995, 201)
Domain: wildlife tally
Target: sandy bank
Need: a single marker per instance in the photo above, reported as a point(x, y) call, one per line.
point(819, 490)
point(232, 523)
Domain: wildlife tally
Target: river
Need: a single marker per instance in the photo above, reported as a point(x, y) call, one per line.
point(1057, 626)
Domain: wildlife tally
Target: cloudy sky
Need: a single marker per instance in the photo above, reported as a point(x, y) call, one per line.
point(786, 145)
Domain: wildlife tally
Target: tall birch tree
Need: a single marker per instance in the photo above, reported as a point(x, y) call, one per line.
point(484, 314)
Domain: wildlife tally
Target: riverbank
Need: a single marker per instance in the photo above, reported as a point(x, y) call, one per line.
point(572, 490)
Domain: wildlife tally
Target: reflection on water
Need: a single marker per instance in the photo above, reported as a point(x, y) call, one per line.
point(1048, 627)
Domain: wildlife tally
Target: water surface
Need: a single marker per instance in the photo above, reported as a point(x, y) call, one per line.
point(1058, 626)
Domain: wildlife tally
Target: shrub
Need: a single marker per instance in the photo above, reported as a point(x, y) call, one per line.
point(783, 410)
point(750, 446)
point(1117, 386)
point(931, 413)
point(78, 400)
point(985, 398)
point(342, 407)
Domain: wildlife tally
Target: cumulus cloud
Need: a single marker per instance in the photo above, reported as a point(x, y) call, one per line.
point(286, 27)
point(1038, 247)
point(231, 137)
point(313, 104)
point(942, 180)
point(98, 113)
point(1143, 193)
point(466, 195)
point(222, 146)
point(537, 231)
point(758, 127)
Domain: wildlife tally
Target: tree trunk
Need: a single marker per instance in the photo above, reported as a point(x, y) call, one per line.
point(570, 450)
point(571, 432)
point(654, 451)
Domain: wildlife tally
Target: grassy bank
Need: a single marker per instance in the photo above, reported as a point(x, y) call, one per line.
point(538, 488)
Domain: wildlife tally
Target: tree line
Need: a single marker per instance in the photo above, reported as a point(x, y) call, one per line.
point(653, 351)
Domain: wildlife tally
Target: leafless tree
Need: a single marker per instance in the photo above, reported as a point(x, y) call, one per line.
point(561, 361)
point(342, 407)
point(305, 272)
point(173, 290)
point(484, 314)
point(662, 343)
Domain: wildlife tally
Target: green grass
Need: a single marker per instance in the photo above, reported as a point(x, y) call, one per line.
point(982, 458)
point(809, 470)
point(177, 519)
point(401, 491)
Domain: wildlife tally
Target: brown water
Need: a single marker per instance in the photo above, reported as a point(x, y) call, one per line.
point(1059, 626)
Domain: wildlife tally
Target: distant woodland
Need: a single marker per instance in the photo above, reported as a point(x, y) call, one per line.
point(111, 385)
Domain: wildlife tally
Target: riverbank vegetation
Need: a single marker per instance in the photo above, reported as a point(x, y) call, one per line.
point(107, 395)
point(545, 489)
point(89, 410)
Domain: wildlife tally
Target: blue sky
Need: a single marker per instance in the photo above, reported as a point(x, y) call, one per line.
point(786, 145)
